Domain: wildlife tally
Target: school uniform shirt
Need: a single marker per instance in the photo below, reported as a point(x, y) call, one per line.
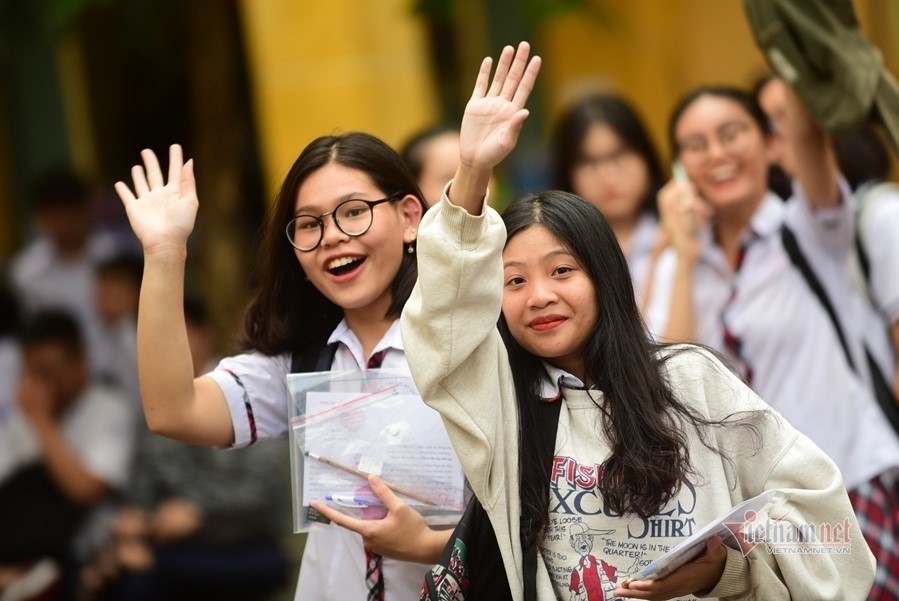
point(879, 224)
point(788, 348)
point(99, 427)
point(45, 279)
point(461, 368)
point(640, 254)
point(255, 386)
point(878, 305)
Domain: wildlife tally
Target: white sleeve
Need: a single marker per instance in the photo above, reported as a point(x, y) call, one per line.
point(105, 435)
point(880, 223)
point(255, 387)
point(658, 307)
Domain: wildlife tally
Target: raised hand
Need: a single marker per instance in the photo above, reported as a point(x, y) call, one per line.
point(495, 113)
point(683, 214)
point(161, 213)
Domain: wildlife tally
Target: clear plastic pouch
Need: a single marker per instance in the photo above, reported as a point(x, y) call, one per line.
point(348, 425)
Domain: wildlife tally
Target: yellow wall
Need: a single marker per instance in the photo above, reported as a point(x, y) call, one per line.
point(653, 51)
point(341, 65)
point(322, 67)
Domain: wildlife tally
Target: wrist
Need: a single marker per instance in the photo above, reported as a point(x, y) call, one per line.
point(469, 188)
point(166, 252)
point(433, 545)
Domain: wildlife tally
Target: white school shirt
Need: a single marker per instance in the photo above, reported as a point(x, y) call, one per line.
point(879, 225)
point(787, 338)
point(44, 279)
point(333, 564)
point(639, 257)
point(876, 309)
point(99, 428)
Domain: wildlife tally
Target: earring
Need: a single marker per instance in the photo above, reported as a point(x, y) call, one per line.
point(410, 250)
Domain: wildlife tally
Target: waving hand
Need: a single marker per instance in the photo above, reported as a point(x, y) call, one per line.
point(161, 213)
point(492, 121)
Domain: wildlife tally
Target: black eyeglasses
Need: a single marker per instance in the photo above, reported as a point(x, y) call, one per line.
point(353, 217)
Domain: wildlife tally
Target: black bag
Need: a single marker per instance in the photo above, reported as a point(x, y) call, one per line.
point(471, 567)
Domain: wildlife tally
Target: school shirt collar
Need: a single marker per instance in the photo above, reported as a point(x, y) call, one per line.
point(555, 380)
point(767, 220)
point(344, 335)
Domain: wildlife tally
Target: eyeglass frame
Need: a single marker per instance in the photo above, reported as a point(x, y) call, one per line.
point(726, 141)
point(333, 213)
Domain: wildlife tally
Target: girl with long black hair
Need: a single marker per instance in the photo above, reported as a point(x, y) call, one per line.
point(652, 442)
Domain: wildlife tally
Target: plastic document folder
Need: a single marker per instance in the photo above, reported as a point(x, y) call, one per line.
point(348, 425)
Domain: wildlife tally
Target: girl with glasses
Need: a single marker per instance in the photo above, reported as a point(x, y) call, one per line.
point(652, 442)
point(336, 264)
point(737, 290)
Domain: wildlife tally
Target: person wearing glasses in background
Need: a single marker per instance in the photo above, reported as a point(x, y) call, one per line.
point(737, 290)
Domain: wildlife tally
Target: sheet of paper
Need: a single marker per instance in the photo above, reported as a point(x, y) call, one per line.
point(401, 435)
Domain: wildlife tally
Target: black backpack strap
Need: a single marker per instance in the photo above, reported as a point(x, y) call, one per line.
point(315, 358)
point(864, 263)
point(883, 391)
point(791, 245)
point(546, 441)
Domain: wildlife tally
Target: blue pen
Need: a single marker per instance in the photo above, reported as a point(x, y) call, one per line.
point(352, 501)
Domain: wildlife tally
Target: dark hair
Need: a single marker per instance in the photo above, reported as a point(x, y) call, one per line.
point(618, 114)
point(862, 156)
point(744, 99)
point(128, 266)
point(642, 419)
point(10, 309)
point(53, 326)
point(195, 312)
point(59, 188)
point(288, 312)
point(412, 152)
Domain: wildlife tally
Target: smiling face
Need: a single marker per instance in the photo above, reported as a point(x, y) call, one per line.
point(355, 273)
point(611, 176)
point(549, 302)
point(724, 152)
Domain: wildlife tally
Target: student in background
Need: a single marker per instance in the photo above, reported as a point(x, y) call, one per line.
point(746, 298)
point(864, 160)
point(603, 153)
point(198, 523)
point(117, 292)
point(70, 440)
point(57, 269)
point(432, 156)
